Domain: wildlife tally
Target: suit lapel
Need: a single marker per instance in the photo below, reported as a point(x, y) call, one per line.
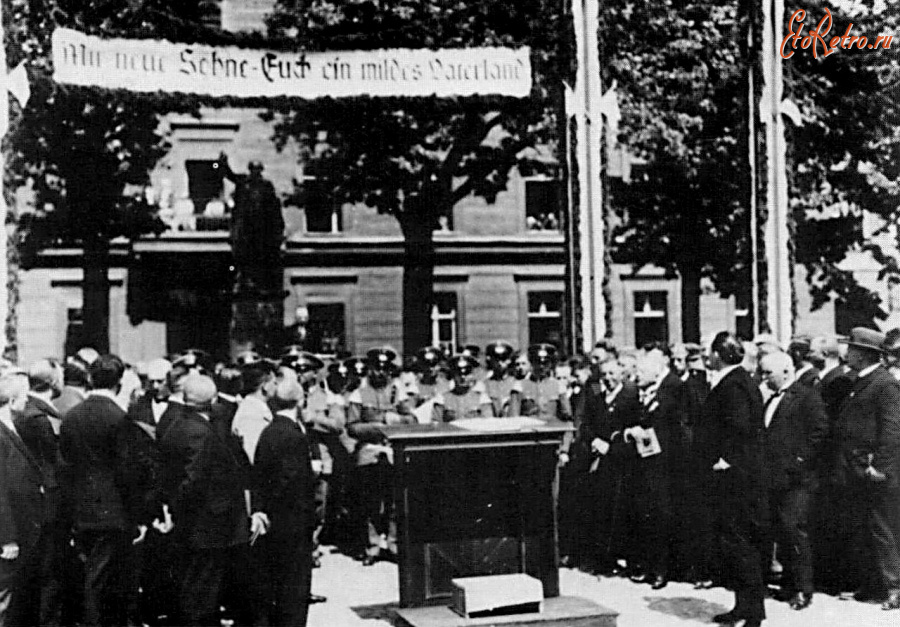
point(791, 396)
point(20, 445)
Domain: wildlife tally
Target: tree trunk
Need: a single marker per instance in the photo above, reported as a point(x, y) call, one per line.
point(418, 281)
point(95, 293)
point(690, 302)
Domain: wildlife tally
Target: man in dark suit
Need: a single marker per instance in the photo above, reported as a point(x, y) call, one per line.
point(229, 382)
point(698, 557)
point(796, 430)
point(734, 414)
point(284, 488)
point(661, 398)
point(89, 440)
point(830, 516)
point(38, 425)
point(151, 567)
point(205, 482)
point(607, 415)
point(76, 383)
point(799, 350)
point(869, 467)
point(27, 514)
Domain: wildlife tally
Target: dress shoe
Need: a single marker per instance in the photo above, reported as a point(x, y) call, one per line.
point(369, 560)
point(727, 618)
point(801, 601)
point(659, 582)
point(315, 598)
point(566, 561)
point(639, 577)
point(753, 622)
point(703, 584)
point(892, 602)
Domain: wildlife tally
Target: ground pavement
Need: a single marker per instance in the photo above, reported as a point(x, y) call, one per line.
point(361, 596)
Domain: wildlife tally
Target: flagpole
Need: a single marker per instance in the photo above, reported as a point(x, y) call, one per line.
point(4, 239)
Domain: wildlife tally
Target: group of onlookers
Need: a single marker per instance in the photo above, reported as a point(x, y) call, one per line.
point(188, 492)
point(741, 464)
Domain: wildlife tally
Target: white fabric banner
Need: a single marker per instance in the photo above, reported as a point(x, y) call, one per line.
point(149, 66)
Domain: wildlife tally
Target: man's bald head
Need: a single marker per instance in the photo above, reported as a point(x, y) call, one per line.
point(199, 390)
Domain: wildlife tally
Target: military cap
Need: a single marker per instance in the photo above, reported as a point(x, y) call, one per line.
point(193, 358)
point(499, 351)
point(248, 358)
point(429, 357)
point(357, 365)
point(302, 362)
point(381, 358)
point(470, 350)
point(542, 353)
point(463, 364)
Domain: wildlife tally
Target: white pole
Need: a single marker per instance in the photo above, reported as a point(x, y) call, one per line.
point(4, 124)
point(779, 292)
point(588, 154)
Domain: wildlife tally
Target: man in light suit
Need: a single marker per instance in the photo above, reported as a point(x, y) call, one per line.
point(796, 430)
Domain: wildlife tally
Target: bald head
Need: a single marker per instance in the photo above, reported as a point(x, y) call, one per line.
point(777, 370)
point(199, 390)
point(13, 389)
point(824, 348)
point(45, 375)
point(288, 394)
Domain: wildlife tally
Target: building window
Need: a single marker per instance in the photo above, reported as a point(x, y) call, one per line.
point(327, 328)
point(893, 294)
point(542, 204)
point(204, 183)
point(323, 215)
point(545, 318)
point(651, 318)
point(74, 331)
point(445, 321)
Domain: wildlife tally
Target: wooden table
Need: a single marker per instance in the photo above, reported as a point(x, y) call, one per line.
point(472, 503)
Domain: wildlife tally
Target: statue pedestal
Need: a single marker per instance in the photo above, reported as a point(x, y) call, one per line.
point(257, 323)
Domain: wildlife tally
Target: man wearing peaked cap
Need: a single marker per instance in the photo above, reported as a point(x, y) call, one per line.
point(500, 380)
point(378, 401)
point(539, 394)
point(465, 399)
point(358, 366)
point(430, 379)
point(868, 429)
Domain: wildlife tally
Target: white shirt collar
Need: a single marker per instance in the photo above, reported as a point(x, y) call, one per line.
point(228, 397)
point(867, 370)
point(613, 393)
point(824, 371)
point(803, 370)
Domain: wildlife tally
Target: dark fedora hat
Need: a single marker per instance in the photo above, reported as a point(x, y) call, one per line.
point(868, 339)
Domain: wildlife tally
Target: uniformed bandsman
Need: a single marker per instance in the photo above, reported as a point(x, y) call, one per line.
point(431, 380)
point(378, 401)
point(538, 394)
point(500, 381)
point(465, 399)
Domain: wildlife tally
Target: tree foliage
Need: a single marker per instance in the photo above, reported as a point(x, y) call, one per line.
point(415, 158)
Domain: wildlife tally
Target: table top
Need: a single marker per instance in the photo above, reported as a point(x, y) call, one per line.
point(447, 430)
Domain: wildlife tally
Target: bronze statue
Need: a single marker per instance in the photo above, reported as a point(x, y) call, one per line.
point(257, 232)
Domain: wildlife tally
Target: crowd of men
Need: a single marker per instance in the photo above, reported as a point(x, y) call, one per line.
point(187, 492)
